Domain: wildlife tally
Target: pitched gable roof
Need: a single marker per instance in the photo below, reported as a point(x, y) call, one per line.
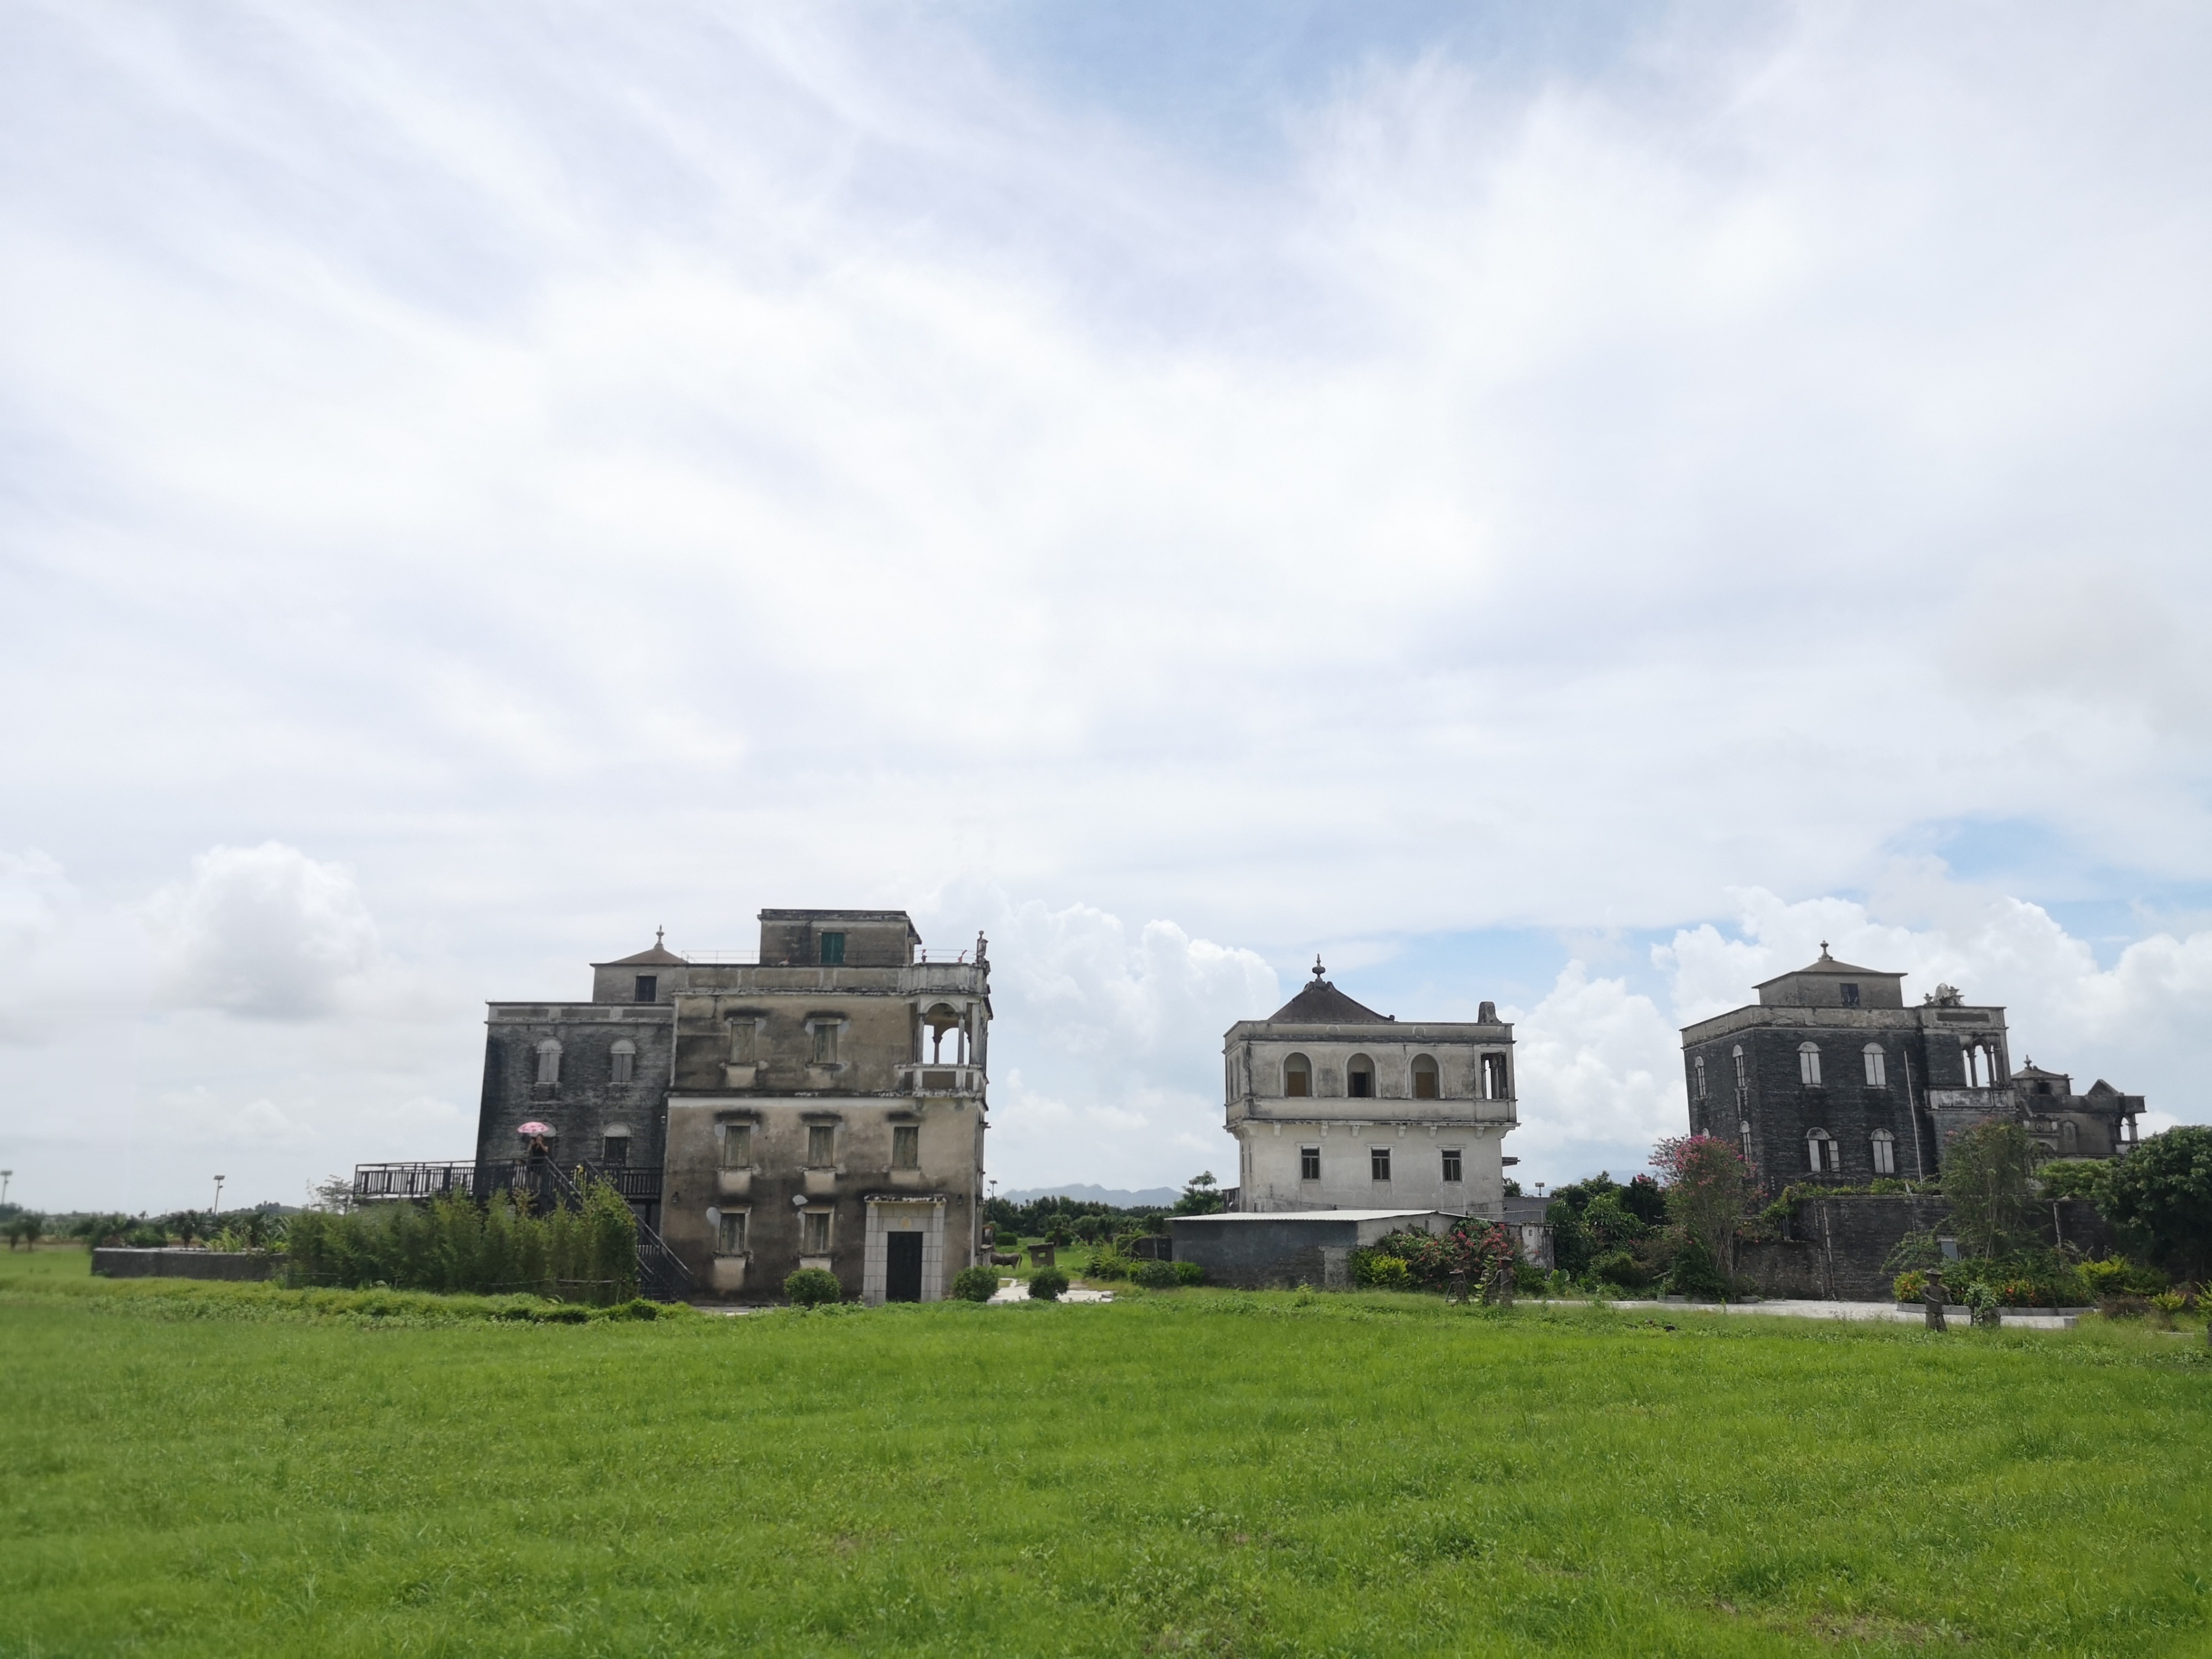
point(1320, 1003)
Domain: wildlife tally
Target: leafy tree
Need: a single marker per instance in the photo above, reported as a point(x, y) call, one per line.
point(1572, 1245)
point(1708, 1190)
point(1513, 1188)
point(1986, 1171)
point(2073, 1177)
point(1201, 1195)
point(2163, 1192)
point(25, 1226)
point(1048, 1284)
point(1645, 1199)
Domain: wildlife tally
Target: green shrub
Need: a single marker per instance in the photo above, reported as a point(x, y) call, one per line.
point(1048, 1284)
point(1155, 1275)
point(1188, 1273)
point(1622, 1269)
point(454, 1245)
point(1911, 1286)
point(2116, 1276)
point(1108, 1264)
point(1695, 1274)
point(1377, 1272)
point(976, 1284)
point(146, 1237)
point(810, 1287)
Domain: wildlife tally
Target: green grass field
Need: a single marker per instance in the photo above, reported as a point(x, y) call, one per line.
point(191, 1470)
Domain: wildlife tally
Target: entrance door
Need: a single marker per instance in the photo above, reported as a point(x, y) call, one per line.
point(901, 1266)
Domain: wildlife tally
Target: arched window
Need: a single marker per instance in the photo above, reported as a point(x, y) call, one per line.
point(1822, 1155)
point(1876, 1068)
point(1698, 1066)
point(549, 1062)
point(1742, 1079)
point(625, 1060)
point(1359, 1078)
point(1885, 1152)
point(2069, 1136)
point(1744, 1130)
point(1424, 1077)
point(1298, 1076)
point(1809, 1063)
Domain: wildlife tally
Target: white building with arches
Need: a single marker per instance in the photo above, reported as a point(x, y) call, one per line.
point(1335, 1106)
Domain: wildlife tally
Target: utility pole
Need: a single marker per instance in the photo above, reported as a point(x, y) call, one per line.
point(6, 1175)
point(219, 1180)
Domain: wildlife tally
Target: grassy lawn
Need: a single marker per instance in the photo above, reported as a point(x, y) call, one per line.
point(188, 1470)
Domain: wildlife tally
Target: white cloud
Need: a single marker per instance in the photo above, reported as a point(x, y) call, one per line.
point(266, 932)
point(643, 470)
point(1109, 1048)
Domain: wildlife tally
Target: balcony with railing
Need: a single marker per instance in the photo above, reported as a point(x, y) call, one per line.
point(941, 1078)
point(379, 1182)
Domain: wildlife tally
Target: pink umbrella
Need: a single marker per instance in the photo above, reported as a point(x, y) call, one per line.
point(534, 1128)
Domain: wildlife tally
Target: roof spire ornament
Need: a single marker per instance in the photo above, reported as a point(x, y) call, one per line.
point(1317, 968)
point(1824, 951)
point(656, 934)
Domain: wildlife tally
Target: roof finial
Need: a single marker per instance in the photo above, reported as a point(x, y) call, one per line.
point(1317, 968)
point(658, 933)
point(1824, 951)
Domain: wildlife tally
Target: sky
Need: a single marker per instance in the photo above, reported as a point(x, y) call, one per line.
point(1564, 505)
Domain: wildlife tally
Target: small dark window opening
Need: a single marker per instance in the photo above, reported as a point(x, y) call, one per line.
point(614, 1152)
point(1451, 1164)
point(1378, 1163)
point(648, 987)
point(1310, 1164)
point(833, 949)
point(1850, 996)
point(1359, 1081)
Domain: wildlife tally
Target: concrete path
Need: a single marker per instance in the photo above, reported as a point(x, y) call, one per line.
point(1873, 1312)
point(1019, 1291)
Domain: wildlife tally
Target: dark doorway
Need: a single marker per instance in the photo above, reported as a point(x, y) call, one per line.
point(901, 1266)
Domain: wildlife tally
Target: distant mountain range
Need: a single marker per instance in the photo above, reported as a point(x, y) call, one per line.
point(1120, 1197)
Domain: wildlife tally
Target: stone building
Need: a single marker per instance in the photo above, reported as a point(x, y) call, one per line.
point(1335, 1106)
point(822, 1106)
point(1831, 1076)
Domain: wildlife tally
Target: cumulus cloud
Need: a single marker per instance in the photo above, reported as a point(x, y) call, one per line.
point(1107, 1047)
point(264, 932)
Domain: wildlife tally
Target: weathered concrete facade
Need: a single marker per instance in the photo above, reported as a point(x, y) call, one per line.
point(1334, 1106)
point(823, 1106)
point(1836, 1247)
point(1260, 1251)
point(1830, 1076)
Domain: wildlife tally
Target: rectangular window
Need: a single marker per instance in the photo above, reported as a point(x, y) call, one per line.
point(738, 1146)
point(821, 1145)
point(743, 1033)
point(1451, 1164)
point(817, 1238)
point(1310, 1164)
point(1850, 996)
point(1699, 1065)
point(825, 1042)
point(906, 1147)
point(729, 1236)
point(833, 949)
point(1378, 1163)
point(648, 988)
point(614, 1152)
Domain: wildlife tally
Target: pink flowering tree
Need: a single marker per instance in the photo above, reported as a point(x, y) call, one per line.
point(1708, 1190)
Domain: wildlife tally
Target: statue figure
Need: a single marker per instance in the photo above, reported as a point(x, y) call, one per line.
point(1931, 1300)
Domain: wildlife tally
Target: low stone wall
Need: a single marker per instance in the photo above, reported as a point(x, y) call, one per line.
point(1837, 1246)
point(239, 1266)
